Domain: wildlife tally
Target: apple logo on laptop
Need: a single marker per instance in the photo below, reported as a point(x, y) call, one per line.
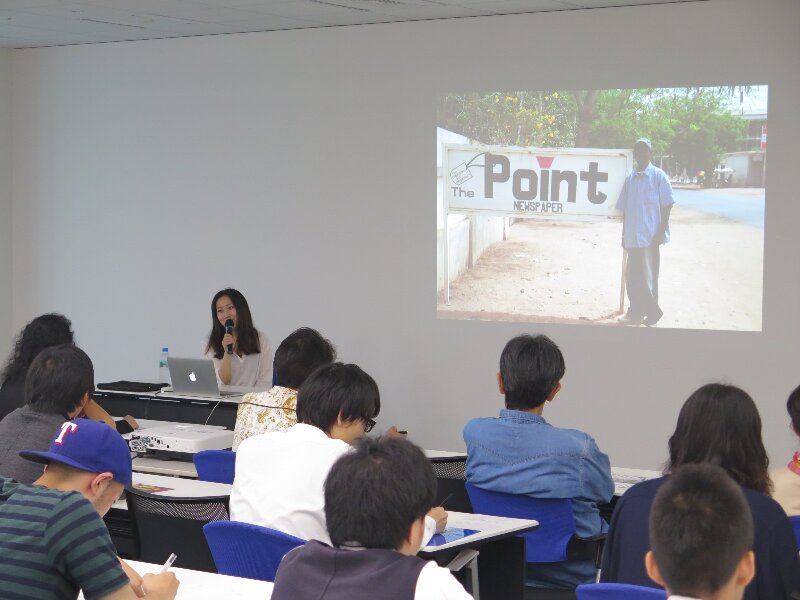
point(192, 377)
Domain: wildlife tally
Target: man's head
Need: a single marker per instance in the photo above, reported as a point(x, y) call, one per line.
point(531, 368)
point(88, 457)
point(303, 351)
point(60, 380)
point(642, 153)
point(377, 496)
point(701, 535)
point(340, 399)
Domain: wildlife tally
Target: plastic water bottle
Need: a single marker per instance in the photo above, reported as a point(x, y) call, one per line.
point(163, 369)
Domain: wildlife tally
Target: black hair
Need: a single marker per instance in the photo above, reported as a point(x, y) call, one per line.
point(720, 424)
point(793, 407)
point(374, 493)
point(303, 351)
point(43, 332)
point(335, 389)
point(700, 527)
point(58, 379)
point(247, 341)
point(530, 367)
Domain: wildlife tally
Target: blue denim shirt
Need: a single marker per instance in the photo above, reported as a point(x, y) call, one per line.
point(521, 453)
point(643, 196)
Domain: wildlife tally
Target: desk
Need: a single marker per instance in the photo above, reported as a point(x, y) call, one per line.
point(625, 478)
point(170, 407)
point(174, 468)
point(199, 585)
point(501, 563)
point(176, 487)
point(490, 528)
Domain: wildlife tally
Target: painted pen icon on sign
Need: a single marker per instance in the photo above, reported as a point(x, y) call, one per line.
point(461, 173)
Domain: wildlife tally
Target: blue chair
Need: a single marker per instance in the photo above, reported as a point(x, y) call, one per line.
point(796, 525)
point(215, 465)
point(245, 550)
point(554, 540)
point(618, 591)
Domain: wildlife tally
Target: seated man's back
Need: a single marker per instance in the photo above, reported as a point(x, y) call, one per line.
point(376, 499)
point(280, 475)
point(521, 453)
point(279, 479)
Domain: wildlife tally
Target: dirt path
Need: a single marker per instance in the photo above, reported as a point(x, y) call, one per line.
point(559, 271)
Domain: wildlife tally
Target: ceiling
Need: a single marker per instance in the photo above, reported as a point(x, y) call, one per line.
point(37, 23)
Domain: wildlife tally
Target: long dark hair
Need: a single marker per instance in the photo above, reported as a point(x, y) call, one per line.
point(43, 332)
point(720, 424)
point(247, 340)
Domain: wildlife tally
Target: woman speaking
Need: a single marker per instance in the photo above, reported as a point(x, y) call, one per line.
point(241, 354)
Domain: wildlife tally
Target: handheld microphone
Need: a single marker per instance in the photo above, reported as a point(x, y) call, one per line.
point(229, 329)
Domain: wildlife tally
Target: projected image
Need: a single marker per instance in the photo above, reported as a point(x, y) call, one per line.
point(634, 208)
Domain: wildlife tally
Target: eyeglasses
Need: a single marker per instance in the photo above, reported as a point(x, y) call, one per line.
point(368, 425)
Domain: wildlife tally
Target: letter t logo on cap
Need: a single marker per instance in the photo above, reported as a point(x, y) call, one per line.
point(66, 428)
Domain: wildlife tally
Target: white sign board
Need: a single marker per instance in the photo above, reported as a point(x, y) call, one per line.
point(532, 182)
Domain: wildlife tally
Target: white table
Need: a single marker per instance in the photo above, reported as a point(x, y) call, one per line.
point(489, 528)
point(434, 454)
point(625, 478)
point(199, 585)
point(174, 468)
point(177, 487)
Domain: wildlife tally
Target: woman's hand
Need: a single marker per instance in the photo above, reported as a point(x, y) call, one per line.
point(228, 340)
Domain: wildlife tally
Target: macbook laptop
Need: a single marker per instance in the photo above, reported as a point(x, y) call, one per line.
point(195, 377)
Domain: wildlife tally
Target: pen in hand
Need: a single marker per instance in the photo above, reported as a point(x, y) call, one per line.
point(169, 562)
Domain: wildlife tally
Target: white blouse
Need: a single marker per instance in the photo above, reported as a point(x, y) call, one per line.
point(249, 370)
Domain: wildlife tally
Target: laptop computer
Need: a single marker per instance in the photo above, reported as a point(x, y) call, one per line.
point(195, 377)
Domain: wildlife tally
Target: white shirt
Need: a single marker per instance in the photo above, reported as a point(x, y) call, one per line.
point(787, 490)
point(437, 583)
point(279, 481)
point(249, 370)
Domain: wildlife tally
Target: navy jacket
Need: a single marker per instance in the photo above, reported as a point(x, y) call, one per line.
point(777, 564)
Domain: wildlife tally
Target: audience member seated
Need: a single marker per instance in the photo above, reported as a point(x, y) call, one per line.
point(787, 479)
point(43, 332)
point(701, 534)
point(521, 453)
point(296, 358)
point(280, 475)
point(53, 541)
point(376, 498)
point(718, 424)
point(58, 387)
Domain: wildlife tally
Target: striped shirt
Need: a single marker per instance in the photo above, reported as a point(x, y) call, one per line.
point(52, 544)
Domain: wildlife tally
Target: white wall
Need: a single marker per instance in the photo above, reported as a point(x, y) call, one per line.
point(148, 175)
point(5, 201)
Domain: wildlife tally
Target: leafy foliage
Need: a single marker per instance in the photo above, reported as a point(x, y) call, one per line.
point(692, 127)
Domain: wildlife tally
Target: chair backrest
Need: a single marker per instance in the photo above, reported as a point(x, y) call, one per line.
point(245, 550)
point(548, 542)
point(796, 525)
point(166, 524)
point(618, 591)
point(215, 465)
point(450, 480)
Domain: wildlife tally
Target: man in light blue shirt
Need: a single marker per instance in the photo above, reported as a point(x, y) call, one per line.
point(645, 201)
point(521, 453)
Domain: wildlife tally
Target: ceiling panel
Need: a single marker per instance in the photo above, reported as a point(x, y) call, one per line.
point(33, 23)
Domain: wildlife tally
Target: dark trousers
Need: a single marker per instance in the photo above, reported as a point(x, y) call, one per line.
point(641, 279)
